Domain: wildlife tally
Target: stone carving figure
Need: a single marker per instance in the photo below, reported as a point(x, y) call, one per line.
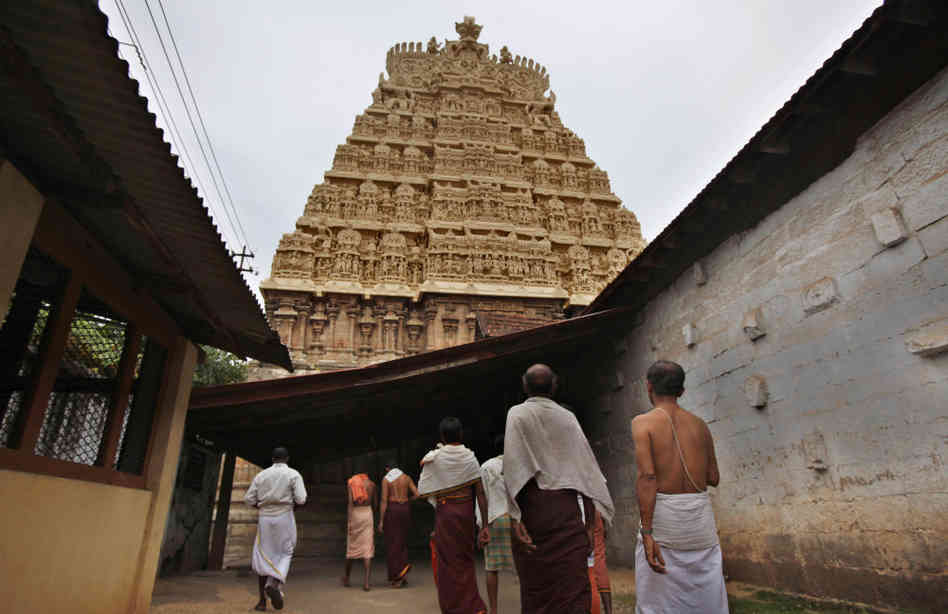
point(505, 56)
point(433, 46)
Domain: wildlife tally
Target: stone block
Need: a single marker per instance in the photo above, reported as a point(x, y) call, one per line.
point(934, 237)
point(753, 325)
point(755, 389)
point(929, 340)
point(928, 205)
point(888, 226)
point(879, 200)
point(819, 295)
point(690, 333)
point(701, 276)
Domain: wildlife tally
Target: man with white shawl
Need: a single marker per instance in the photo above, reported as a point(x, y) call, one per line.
point(398, 491)
point(451, 480)
point(547, 463)
point(274, 492)
point(678, 566)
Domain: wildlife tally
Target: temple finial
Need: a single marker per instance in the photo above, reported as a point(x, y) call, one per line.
point(467, 29)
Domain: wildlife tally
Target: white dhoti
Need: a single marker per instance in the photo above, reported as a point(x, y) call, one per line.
point(693, 582)
point(273, 548)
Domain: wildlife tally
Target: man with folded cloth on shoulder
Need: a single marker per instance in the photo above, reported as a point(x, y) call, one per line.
point(274, 492)
point(550, 470)
point(678, 566)
point(451, 480)
point(398, 491)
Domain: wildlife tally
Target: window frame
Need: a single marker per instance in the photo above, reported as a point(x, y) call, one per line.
point(62, 239)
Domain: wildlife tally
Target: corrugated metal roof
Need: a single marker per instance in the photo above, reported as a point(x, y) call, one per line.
point(497, 324)
point(76, 125)
point(341, 411)
point(902, 45)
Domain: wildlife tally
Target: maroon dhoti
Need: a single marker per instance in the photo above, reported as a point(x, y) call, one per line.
point(455, 539)
point(397, 525)
point(554, 578)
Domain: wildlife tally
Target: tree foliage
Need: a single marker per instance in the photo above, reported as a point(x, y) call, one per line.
point(219, 367)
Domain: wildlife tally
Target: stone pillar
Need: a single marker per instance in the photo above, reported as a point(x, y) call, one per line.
point(317, 323)
point(219, 540)
point(470, 322)
point(413, 328)
point(20, 208)
point(431, 339)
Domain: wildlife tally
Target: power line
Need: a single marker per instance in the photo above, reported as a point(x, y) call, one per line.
point(210, 144)
point(187, 111)
point(166, 108)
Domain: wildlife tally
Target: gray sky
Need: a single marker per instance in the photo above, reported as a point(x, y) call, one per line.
point(664, 93)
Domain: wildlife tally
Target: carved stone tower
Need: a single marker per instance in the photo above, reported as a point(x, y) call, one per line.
point(460, 206)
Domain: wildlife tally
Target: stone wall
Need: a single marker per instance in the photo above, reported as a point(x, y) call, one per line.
point(188, 530)
point(814, 348)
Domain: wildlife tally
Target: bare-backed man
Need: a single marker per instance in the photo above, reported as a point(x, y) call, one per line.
point(678, 566)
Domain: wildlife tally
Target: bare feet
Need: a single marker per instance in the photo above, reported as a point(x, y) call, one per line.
point(366, 588)
point(276, 597)
point(345, 581)
point(261, 606)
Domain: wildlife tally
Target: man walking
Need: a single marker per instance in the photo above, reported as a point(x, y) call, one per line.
point(678, 566)
point(547, 463)
point(398, 490)
point(497, 555)
point(274, 492)
point(451, 479)
point(360, 543)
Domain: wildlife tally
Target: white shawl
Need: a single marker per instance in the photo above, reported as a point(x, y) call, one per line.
point(544, 441)
point(393, 475)
point(447, 468)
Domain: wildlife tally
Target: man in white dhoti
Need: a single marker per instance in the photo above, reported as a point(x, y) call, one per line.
point(678, 565)
point(274, 492)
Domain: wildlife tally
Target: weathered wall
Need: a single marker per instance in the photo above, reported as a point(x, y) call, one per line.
point(187, 532)
point(838, 485)
point(79, 561)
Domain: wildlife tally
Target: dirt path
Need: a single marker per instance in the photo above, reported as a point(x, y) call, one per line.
point(314, 587)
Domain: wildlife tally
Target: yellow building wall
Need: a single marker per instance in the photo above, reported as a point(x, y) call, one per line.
point(68, 545)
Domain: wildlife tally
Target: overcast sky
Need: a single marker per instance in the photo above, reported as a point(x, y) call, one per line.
point(664, 93)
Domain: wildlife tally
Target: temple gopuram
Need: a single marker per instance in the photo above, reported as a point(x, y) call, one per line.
point(459, 207)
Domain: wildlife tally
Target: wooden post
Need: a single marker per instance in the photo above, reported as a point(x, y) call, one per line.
point(215, 560)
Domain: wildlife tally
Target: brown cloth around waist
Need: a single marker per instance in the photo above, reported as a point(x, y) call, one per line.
point(460, 495)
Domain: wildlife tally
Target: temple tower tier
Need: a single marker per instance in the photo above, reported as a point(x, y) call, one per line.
point(459, 205)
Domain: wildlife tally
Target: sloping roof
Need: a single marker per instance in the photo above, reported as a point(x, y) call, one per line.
point(74, 123)
point(339, 412)
point(497, 324)
point(898, 48)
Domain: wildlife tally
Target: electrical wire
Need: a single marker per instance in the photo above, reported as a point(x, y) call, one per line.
point(210, 144)
point(166, 109)
point(187, 111)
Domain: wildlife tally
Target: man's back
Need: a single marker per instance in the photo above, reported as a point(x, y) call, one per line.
point(697, 448)
point(276, 485)
point(401, 489)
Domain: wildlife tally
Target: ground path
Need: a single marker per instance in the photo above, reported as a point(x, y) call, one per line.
point(314, 587)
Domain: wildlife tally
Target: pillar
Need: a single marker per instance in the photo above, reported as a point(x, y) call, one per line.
point(20, 208)
point(161, 465)
point(215, 560)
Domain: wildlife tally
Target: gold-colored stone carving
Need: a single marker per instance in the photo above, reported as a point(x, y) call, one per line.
point(460, 181)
